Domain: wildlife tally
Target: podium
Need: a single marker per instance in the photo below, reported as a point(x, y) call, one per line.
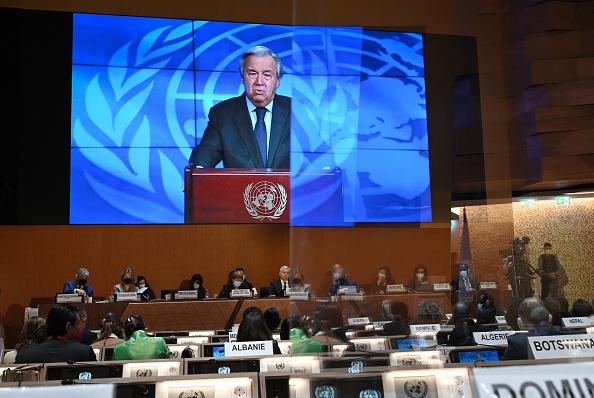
point(258, 196)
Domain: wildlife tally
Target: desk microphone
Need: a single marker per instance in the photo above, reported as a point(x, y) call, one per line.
point(97, 364)
point(69, 382)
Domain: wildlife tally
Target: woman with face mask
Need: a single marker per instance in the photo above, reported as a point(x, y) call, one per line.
point(297, 283)
point(146, 293)
point(197, 283)
point(420, 281)
point(235, 284)
point(127, 277)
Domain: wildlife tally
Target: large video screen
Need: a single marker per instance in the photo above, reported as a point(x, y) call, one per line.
point(142, 89)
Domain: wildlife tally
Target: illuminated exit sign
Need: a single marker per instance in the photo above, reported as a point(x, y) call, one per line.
point(527, 202)
point(562, 200)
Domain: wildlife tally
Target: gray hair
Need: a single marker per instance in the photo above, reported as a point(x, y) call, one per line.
point(527, 306)
point(283, 267)
point(82, 271)
point(261, 51)
point(538, 314)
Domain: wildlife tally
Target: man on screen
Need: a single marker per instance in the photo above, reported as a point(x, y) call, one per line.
point(252, 130)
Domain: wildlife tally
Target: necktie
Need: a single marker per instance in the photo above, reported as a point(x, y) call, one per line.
point(285, 286)
point(260, 132)
point(467, 284)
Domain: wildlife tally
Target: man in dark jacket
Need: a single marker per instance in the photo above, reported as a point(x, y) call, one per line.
point(64, 329)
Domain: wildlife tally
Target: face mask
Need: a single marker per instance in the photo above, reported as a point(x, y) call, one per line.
point(236, 283)
point(480, 306)
point(196, 286)
point(420, 275)
point(337, 275)
point(82, 282)
point(463, 274)
point(141, 285)
point(296, 281)
point(127, 281)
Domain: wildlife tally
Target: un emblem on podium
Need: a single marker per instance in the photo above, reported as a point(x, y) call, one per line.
point(265, 200)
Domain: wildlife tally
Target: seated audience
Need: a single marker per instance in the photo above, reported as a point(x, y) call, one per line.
point(581, 308)
point(301, 344)
point(290, 322)
point(236, 284)
point(148, 294)
point(280, 286)
point(87, 336)
point(297, 283)
point(464, 326)
point(64, 329)
point(80, 284)
point(253, 328)
point(342, 284)
point(397, 313)
point(272, 319)
point(127, 276)
point(139, 345)
point(420, 281)
point(486, 310)
point(321, 331)
point(429, 312)
point(112, 332)
point(34, 332)
point(197, 283)
point(531, 311)
point(554, 306)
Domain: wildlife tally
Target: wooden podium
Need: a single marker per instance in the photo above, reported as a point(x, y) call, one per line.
point(252, 195)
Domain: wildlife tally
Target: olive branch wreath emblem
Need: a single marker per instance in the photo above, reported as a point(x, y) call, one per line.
point(254, 212)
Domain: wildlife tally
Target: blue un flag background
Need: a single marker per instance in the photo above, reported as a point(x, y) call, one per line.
point(142, 88)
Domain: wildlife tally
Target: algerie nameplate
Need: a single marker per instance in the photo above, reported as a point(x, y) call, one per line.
point(498, 338)
point(248, 348)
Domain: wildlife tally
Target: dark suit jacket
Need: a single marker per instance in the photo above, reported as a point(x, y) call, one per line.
point(226, 292)
point(70, 286)
point(517, 344)
point(230, 137)
point(276, 288)
point(55, 350)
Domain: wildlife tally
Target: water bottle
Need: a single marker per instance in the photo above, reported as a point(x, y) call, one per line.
point(206, 295)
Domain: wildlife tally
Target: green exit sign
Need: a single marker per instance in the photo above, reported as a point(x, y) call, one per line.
point(562, 200)
point(527, 202)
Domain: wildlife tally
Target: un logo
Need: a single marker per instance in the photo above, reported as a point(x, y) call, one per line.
point(265, 200)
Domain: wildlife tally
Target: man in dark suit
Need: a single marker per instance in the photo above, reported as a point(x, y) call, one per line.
point(64, 329)
point(79, 285)
point(278, 287)
point(531, 310)
point(252, 130)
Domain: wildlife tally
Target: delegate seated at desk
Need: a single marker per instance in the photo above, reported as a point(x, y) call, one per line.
point(80, 284)
point(236, 284)
point(420, 281)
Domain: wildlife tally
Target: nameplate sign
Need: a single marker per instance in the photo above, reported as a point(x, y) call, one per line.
point(295, 365)
point(446, 328)
point(186, 295)
point(130, 296)
point(576, 322)
point(299, 295)
point(442, 287)
point(488, 286)
point(352, 296)
point(558, 380)
point(248, 348)
point(241, 293)
point(379, 325)
point(424, 329)
point(359, 321)
point(68, 298)
point(562, 346)
point(395, 289)
point(498, 338)
point(500, 319)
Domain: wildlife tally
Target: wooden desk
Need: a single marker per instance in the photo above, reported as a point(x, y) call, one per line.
point(95, 311)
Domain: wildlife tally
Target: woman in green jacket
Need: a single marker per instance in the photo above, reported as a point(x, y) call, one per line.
point(139, 345)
